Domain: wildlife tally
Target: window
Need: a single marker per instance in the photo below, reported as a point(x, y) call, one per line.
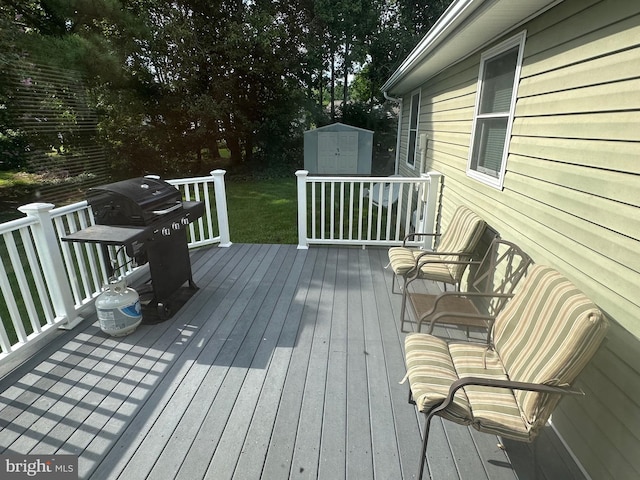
point(413, 130)
point(495, 106)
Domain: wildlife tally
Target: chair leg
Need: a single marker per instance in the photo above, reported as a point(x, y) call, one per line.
point(535, 459)
point(403, 308)
point(423, 455)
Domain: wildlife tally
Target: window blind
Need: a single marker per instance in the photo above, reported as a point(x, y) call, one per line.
point(51, 110)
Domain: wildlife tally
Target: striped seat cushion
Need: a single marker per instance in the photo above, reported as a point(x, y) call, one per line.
point(403, 260)
point(493, 410)
point(430, 371)
point(461, 236)
point(434, 364)
point(546, 334)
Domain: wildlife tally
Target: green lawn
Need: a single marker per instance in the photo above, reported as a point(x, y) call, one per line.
point(263, 211)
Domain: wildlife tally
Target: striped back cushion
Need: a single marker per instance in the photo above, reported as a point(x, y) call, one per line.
point(546, 334)
point(461, 236)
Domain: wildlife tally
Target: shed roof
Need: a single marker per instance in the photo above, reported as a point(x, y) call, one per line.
point(338, 126)
point(464, 28)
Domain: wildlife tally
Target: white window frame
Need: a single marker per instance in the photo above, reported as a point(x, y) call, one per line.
point(411, 162)
point(515, 41)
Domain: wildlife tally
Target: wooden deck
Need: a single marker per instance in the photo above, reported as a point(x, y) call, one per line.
point(285, 364)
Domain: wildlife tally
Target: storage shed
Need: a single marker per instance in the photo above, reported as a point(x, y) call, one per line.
point(338, 149)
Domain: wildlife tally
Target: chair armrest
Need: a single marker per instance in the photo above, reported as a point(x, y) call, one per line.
point(442, 315)
point(444, 295)
point(513, 385)
point(471, 294)
point(491, 382)
point(417, 234)
point(419, 264)
point(425, 254)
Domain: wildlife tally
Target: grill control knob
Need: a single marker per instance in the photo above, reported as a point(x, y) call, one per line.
point(184, 220)
point(175, 225)
point(166, 231)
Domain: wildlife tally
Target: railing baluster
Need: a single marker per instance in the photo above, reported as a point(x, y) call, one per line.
point(90, 253)
point(379, 212)
point(187, 197)
point(66, 255)
point(313, 210)
point(364, 222)
point(5, 343)
point(360, 210)
point(77, 248)
point(38, 280)
point(201, 233)
point(342, 206)
point(399, 210)
point(18, 271)
point(351, 195)
point(12, 306)
point(392, 187)
point(409, 208)
point(370, 212)
point(207, 211)
point(322, 210)
point(332, 207)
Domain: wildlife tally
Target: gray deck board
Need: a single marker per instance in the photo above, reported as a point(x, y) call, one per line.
point(285, 364)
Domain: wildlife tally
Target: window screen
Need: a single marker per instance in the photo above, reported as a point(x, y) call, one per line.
point(494, 114)
point(413, 129)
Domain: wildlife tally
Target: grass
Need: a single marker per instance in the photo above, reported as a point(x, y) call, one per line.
point(263, 211)
point(11, 179)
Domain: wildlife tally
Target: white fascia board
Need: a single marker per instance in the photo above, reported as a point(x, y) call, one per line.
point(465, 27)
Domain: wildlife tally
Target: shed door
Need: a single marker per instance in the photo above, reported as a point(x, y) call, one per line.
point(337, 153)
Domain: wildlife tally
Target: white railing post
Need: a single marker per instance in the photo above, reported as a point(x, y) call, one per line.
point(221, 207)
point(302, 209)
point(46, 243)
point(430, 203)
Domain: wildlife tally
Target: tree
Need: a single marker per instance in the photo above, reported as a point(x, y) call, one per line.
point(179, 83)
point(219, 73)
point(50, 52)
point(405, 22)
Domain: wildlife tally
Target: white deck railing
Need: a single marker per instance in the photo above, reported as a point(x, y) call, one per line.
point(46, 282)
point(365, 210)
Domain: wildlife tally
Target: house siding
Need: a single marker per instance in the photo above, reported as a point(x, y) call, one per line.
point(571, 195)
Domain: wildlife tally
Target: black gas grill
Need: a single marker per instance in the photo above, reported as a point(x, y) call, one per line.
point(148, 217)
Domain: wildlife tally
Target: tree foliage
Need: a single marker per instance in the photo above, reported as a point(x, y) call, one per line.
point(179, 84)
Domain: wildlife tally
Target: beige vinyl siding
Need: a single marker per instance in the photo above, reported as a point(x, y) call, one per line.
point(571, 194)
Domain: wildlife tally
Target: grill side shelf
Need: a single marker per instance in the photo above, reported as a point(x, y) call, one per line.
point(107, 234)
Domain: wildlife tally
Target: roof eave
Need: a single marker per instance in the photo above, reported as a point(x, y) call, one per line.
point(465, 27)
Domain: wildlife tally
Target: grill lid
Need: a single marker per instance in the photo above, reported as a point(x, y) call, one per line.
point(137, 201)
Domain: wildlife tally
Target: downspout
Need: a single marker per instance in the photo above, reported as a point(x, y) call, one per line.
point(399, 102)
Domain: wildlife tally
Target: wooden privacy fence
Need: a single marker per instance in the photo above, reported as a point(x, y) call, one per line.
point(45, 282)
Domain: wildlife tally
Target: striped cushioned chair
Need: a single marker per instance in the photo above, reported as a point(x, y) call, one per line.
point(541, 341)
point(447, 264)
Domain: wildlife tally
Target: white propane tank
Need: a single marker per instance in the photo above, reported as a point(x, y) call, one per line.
point(118, 308)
